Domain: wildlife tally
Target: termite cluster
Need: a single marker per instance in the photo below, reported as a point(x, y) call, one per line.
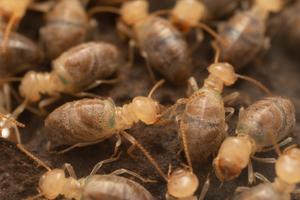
point(85, 81)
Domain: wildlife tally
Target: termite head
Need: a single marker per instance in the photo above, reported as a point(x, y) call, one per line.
point(269, 5)
point(182, 183)
point(146, 109)
point(134, 11)
point(224, 72)
point(54, 183)
point(287, 166)
point(233, 156)
point(187, 14)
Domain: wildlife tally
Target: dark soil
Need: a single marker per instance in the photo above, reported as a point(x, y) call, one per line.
point(278, 69)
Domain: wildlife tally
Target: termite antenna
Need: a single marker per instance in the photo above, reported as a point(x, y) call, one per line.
point(33, 157)
point(12, 120)
point(10, 79)
point(154, 88)
point(255, 82)
point(276, 146)
point(217, 52)
point(7, 31)
point(211, 32)
point(134, 142)
point(103, 9)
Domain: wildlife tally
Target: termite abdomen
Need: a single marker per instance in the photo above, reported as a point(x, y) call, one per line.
point(86, 63)
point(67, 26)
point(167, 51)
point(81, 121)
point(100, 187)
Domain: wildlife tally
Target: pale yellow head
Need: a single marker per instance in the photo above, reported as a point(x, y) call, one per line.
point(269, 5)
point(146, 109)
point(224, 72)
point(52, 182)
point(182, 183)
point(134, 11)
point(233, 156)
point(288, 166)
point(187, 13)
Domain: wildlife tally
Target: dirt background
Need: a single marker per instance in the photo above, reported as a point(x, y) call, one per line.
point(278, 69)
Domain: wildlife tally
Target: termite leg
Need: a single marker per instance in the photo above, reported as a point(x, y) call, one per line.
point(261, 177)
point(182, 131)
point(205, 188)
point(281, 144)
point(149, 68)
point(82, 144)
point(131, 139)
point(30, 155)
point(123, 171)
point(101, 163)
point(231, 98)
point(230, 112)
point(192, 86)
point(251, 177)
point(241, 189)
point(69, 168)
point(264, 160)
point(117, 145)
point(100, 82)
point(46, 102)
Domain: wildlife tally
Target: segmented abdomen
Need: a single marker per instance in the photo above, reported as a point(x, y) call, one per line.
point(166, 49)
point(67, 26)
point(204, 119)
point(261, 192)
point(99, 187)
point(244, 37)
point(80, 66)
point(84, 120)
point(270, 116)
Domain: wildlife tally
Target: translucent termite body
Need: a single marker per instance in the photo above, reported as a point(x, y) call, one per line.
point(92, 120)
point(21, 54)
point(73, 71)
point(93, 187)
point(288, 175)
point(89, 120)
point(161, 44)
point(67, 26)
point(202, 124)
point(55, 182)
point(244, 34)
point(272, 117)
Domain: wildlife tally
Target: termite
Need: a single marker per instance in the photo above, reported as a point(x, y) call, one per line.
point(159, 42)
point(288, 175)
point(67, 25)
point(245, 33)
point(55, 182)
point(201, 117)
point(272, 116)
point(80, 68)
point(13, 12)
point(88, 121)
